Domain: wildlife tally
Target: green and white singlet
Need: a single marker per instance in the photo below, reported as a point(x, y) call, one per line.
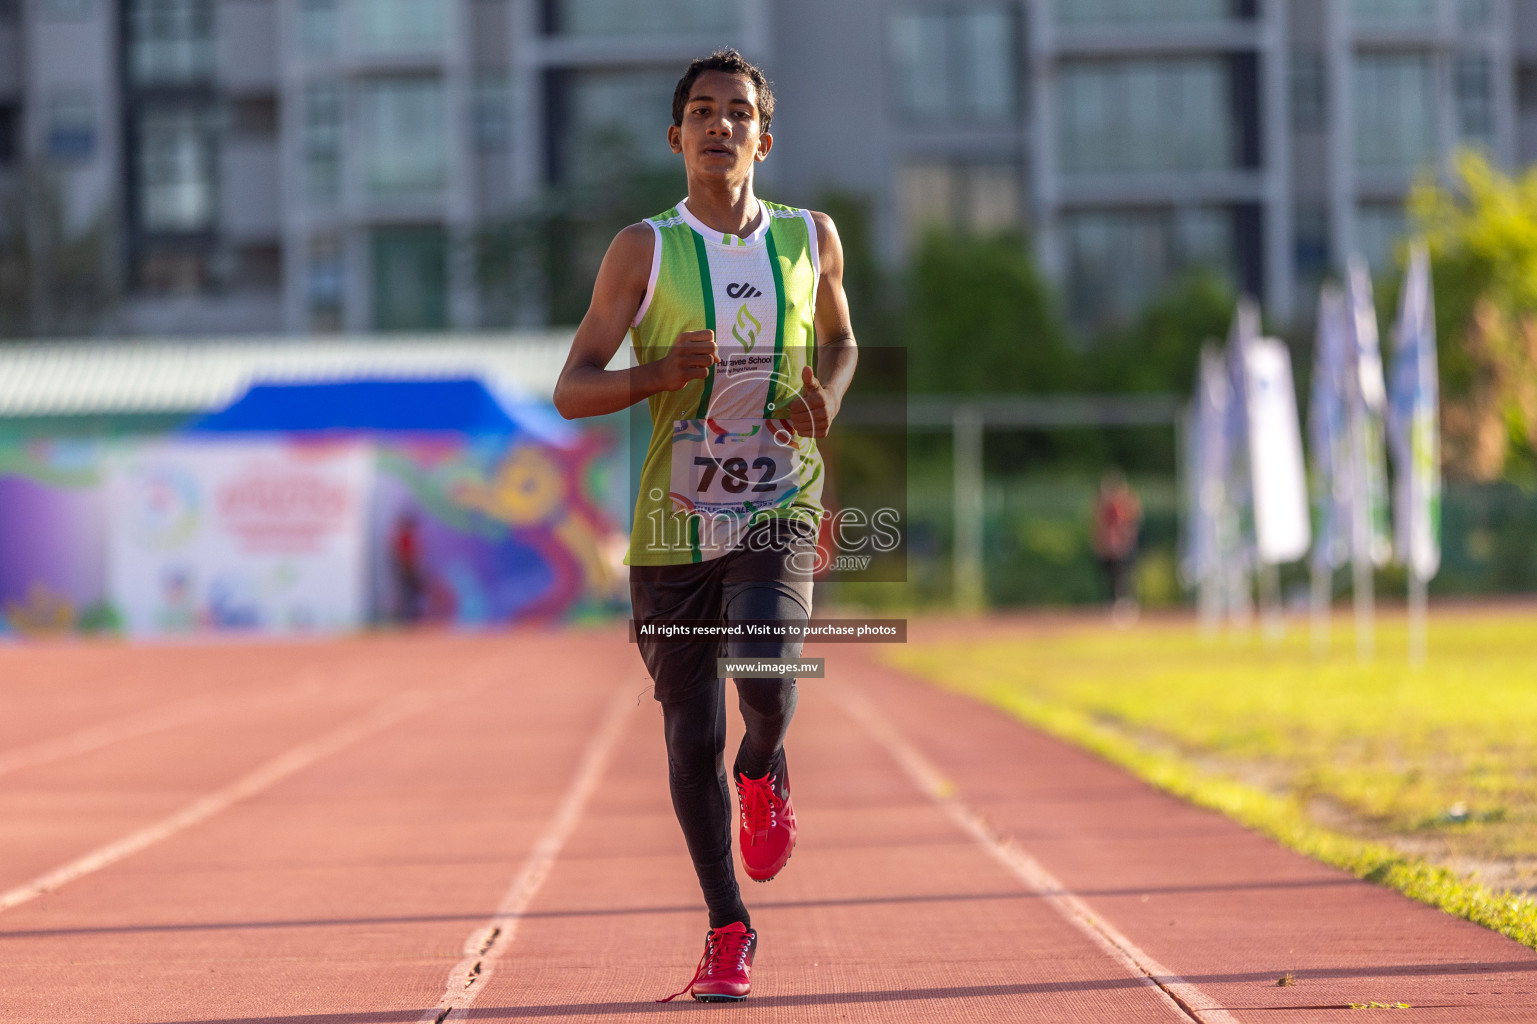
point(722, 455)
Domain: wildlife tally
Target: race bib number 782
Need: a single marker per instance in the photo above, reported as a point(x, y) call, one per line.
point(729, 469)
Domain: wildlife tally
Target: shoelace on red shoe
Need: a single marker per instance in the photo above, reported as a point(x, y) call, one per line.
point(722, 949)
point(760, 809)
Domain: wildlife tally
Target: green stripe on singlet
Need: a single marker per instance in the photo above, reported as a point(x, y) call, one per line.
point(709, 325)
point(693, 538)
point(779, 323)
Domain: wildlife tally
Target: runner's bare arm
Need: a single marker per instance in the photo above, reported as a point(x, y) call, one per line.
point(812, 413)
point(586, 386)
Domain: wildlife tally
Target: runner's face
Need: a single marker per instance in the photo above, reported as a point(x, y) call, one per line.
point(721, 135)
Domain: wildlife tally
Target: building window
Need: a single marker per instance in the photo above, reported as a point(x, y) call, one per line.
point(1526, 90)
point(655, 17)
point(956, 65)
point(171, 40)
point(977, 198)
point(1145, 115)
point(9, 123)
point(171, 270)
point(1395, 111)
point(1121, 12)
point(393, 26)
point(325, 283)
point(70, 128)
point(323, 142)
point(610, 119)
point(1475, 14)
point(176, 180)
point(1310, 243)
point(319, 26)
point(404, 137)
point(1394, 13)
point(1309, 98)
point(1379, 229)
point(61, 10)
point(409, 279)
point(491, 113)
point(1475, 105)
point(1118, 260)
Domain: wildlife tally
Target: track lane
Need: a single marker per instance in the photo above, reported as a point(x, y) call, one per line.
point(886, 912)
point(345, 889)
point(1222, 907)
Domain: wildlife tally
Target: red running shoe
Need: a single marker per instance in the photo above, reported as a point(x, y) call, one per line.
point(767, 835)
point(722, 974)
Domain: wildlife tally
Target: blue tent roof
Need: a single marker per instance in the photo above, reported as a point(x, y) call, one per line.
point(462, 406)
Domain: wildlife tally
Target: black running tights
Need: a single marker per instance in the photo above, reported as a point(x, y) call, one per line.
point(695, 730)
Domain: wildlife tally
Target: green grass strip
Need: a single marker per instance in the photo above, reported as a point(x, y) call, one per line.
point(1282, 819)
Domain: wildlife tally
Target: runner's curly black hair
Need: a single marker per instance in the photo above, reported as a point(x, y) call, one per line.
point(732, 63)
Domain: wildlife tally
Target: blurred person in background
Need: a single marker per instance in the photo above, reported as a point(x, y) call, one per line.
point(728, 301)
point(1117, 525)
point(406, 561)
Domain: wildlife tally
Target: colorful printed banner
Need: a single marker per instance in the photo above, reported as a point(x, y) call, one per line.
point(254, 535)
point(1413, 425)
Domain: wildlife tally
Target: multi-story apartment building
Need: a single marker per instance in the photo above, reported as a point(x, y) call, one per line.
point(302, 165)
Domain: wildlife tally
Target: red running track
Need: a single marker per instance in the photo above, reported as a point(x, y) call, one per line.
point(404, 829)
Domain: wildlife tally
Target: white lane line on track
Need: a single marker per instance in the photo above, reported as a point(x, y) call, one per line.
point(486, 944)
point(152, 720)
point(1183, 997)
point(279, 768)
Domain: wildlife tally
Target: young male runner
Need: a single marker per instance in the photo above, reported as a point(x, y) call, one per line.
point(736, 311)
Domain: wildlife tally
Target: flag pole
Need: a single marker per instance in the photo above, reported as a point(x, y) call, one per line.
point(1361, 577)
point(1319, 605)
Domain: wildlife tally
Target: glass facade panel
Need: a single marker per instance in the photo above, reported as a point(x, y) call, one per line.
point(1475, 103)
point(1309, 100)
point(325, 282)
point(491, 113)
point(978, 198)
point(409, 279)
point(655, 17)
point(956, 65)
point(171, 41)
point(1379, 229)
point(71, 128)
point(1118, 260)
point(1145, 115)
point(176, 182)
point(1393, 13)
point(319, 26)
point(1475, 14)
point(396, 26)
point(323, 118)
point(615, 118)
point(1120, 12)
point(1395, 111)
point(404, 138)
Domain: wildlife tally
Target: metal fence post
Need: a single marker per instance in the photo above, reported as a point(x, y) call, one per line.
point(966, 425)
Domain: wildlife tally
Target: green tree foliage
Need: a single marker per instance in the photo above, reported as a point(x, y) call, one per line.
point(537, 264)
point(979, 318)
point(1482, 235)
point(1159, 350)
point(55, 279)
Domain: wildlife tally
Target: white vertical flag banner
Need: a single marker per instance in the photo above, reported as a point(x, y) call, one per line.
point(1328, 440)
point(1413, 427)
point(1241, 338)
point(1206, 468)
point(1367, 403)
point(1277, 479)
